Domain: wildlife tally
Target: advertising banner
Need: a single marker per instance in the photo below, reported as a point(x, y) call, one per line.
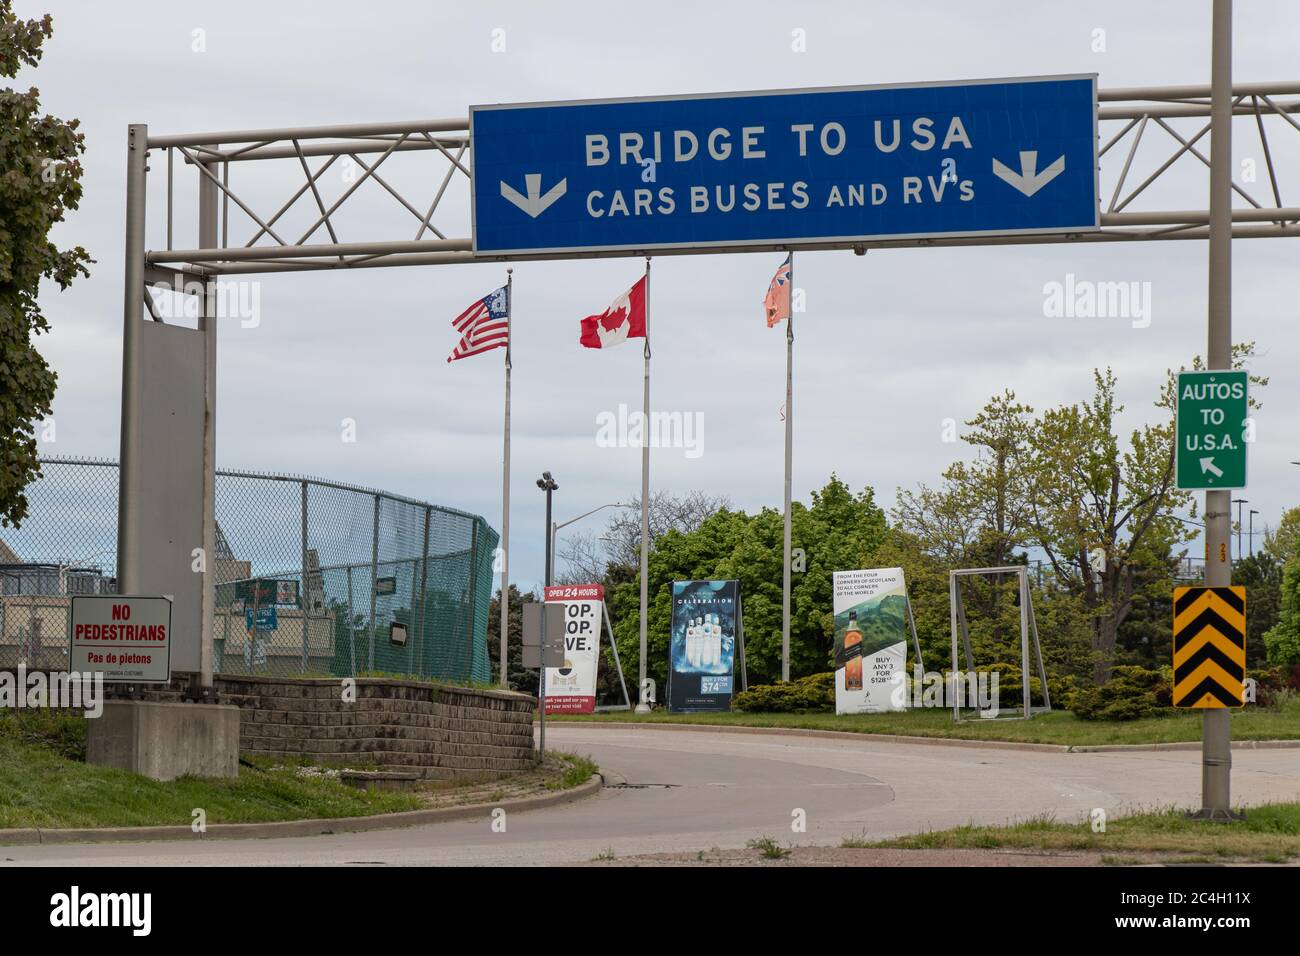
point(703, 645)
point(871, 628)
point(571, 689)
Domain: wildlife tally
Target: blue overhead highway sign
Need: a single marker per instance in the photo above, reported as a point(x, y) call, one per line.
point(790, 167)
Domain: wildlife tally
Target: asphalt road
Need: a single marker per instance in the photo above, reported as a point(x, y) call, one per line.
point(681, 790)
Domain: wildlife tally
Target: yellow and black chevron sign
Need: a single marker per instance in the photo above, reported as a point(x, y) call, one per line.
point(1209, 647)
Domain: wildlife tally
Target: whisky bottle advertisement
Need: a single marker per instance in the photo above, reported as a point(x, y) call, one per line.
point(871, 628)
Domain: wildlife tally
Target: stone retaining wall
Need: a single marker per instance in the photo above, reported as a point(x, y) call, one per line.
point(439, 731)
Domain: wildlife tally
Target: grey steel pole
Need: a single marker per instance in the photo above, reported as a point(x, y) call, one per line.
point(128, 495)
point(352, 634)
point(505, 495)
point(550, 570)
point(303, 599)
point(789, 460)
point(642, 707)
point(424, 586)
point(374, 580)
point(208, 326)
point(1026, 700)
point(471, 596)
point(1216, 745)
point(252, 633)
point(1239, 502)
point(953, 598)
point(548, 485)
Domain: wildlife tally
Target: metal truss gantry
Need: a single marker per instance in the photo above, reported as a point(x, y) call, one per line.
point(1126, 117)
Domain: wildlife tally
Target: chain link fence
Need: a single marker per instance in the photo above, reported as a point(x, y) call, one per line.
point(312, 577)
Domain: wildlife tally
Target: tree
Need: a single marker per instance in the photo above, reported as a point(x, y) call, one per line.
point(1261, 573)
point(978, 517)
point(1104, 513)
point(1283, 640)
point(1284, 543)
point(840, 530)
point(40, 179)
point(518, 677)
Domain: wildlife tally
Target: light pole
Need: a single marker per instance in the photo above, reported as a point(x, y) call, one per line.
point(555, 528)
point(548, 485)
point(1239, 502)
point(1253, 512)
point(1216, 729)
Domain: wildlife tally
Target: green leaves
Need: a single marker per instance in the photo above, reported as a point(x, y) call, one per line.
point(40, 179)
point(838, 531)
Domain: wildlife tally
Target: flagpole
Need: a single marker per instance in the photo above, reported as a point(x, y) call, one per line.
point(642, 707)
point(789, 447)
point(505, 494)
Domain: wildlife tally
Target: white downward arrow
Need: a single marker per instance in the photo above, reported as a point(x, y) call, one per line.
point(1028, 181)
point(534, 203)
point(1207, 464)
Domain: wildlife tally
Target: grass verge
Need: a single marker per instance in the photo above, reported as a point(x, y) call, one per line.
point(1269, 833)
point(1058, 727)
point(45, 784)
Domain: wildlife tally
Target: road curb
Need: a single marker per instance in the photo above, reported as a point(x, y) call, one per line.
point(1183, 745)
point(831, 735)
point(935, 741)
point(29, 836)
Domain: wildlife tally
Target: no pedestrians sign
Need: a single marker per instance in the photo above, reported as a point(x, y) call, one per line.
point(1212, 428)
point(126, 638)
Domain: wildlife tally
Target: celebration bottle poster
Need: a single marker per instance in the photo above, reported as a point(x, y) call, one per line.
point(702, 651)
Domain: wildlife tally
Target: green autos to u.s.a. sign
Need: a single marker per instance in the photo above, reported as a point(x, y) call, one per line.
point(1213, 429)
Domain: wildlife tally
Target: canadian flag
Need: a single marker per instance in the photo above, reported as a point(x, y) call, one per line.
point(623, 320)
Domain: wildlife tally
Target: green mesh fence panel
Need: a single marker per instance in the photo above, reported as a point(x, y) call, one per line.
point(312, 577)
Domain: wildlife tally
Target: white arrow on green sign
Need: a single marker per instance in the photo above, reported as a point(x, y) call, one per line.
point(1212, 425)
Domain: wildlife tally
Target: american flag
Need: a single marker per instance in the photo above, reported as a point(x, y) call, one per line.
point(484, 325)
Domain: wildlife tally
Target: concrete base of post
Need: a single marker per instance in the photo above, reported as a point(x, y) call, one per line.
point(1215, 815)
point(642, 708)
point(165, 740)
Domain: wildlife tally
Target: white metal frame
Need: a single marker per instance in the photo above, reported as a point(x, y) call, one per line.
point(1028, 628)
point(448, 144)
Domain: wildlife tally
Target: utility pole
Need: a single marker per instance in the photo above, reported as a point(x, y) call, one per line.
point(1251, 534)
point(1239, 502)
point(548, 485)
point(1216, 729)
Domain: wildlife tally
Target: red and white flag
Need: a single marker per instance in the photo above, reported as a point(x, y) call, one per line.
point(623, 320)
point(777, 301)
point(484, 325)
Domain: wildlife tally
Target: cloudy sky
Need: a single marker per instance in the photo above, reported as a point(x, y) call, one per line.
point(891, 345)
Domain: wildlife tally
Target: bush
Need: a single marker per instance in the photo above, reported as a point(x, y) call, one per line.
point(1275, 686)
point(806, 695)
point(1131, 693)
point(1010, 687)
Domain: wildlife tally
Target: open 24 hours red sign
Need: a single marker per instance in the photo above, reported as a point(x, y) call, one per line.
point(571, 689)
point(126, 638)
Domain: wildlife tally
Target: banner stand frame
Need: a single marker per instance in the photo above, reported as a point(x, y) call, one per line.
point(916, 641)
point(609, 629)
point(740, 640)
